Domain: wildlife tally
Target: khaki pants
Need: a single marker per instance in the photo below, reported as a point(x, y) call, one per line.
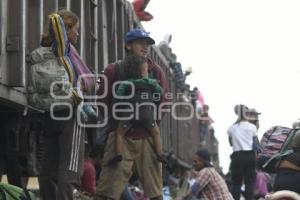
point(138, 154)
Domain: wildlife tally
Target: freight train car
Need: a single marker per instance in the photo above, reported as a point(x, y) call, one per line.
point(103, 24)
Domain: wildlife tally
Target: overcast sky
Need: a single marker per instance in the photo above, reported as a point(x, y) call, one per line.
point(241, 52)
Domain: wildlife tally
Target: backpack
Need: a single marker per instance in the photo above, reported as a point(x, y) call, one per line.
point(141, 90)
point(11, 192)
point(51, 76)
point(143, 102)
point(275, 144)
point(41, 87)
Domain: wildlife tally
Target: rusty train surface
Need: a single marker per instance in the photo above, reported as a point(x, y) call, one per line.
point(103, 24)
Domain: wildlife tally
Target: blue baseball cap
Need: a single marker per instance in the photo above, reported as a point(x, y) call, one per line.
point(135, 34)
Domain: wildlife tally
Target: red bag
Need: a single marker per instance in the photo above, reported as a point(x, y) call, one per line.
point(139, 8)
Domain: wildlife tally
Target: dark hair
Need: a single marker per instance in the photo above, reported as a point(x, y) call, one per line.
point(240, 110)
point(70, 19)
point(133, 66)
point(96, 151)
point(205, 155)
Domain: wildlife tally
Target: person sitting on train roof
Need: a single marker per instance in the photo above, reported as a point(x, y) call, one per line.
point(138, 152)
point(91, 169)
point(208, 182)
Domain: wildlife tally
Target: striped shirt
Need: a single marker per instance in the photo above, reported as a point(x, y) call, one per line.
point(210, 185)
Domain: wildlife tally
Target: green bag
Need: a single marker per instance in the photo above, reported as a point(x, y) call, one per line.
point(11, 192)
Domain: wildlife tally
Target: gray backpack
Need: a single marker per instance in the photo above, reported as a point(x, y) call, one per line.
point(48, 81)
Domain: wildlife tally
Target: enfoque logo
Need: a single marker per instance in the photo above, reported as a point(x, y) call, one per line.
point(122, 108)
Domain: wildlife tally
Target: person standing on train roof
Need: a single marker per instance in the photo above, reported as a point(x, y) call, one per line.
point(138, 149)
point(63, 157)
point(242, 136)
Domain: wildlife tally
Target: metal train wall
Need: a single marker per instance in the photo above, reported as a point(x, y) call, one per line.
point(103, 24)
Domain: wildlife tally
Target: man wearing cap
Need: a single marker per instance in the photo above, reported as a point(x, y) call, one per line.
point(253, 116)
point(208, 184)
point(242, 136)
point(138, 148)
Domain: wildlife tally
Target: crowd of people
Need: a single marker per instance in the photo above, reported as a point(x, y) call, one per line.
point(133, 147)
point(129, 148)
point(244, 168)
point(133, 150)
point(245, 178)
